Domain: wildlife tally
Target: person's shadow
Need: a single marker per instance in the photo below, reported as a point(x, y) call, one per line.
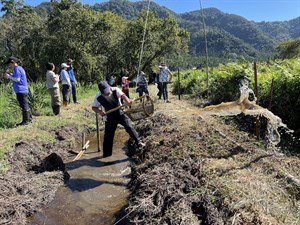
point(92, 162)
point(84, 184)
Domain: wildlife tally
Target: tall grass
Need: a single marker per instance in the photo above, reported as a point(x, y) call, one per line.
point(39, 102)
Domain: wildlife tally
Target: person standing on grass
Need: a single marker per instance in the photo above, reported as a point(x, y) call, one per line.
point(66, 84)
point(156, 80)
point(125, 85)
point(109, 98)
point(142, 84)
point(52, 80)
point(71, 73)
point(165, 77)
point(20, 86)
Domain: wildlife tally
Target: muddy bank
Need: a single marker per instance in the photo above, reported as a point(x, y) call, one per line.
point(208, 171)
point(37, 170)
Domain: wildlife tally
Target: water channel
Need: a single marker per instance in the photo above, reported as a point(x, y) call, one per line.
point(96, 192)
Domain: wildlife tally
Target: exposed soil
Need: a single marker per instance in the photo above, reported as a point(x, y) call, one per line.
point(206, 170)
point(36, 173)
point(193, 170)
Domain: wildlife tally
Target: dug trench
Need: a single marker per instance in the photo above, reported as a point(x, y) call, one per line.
point(193, 170)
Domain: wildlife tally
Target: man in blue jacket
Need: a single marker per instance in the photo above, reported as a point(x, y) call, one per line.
point(71, 73)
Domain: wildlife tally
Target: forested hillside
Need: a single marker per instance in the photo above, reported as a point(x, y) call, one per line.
point(61, 29)
point(228, 35)
point(100, 42)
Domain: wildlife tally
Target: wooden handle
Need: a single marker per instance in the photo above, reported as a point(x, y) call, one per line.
point(114, 109)
point(121, 106)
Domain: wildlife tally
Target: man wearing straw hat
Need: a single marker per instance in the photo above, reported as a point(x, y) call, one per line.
point(110, 98)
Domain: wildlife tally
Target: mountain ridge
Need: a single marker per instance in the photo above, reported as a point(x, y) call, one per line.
point(227, 33)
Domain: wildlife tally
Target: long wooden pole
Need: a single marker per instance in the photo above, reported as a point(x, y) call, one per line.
point(98, 133)
point(271, 94)
point(179, 85)
point(257, 122)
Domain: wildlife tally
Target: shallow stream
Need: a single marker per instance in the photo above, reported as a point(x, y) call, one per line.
point(96, 192)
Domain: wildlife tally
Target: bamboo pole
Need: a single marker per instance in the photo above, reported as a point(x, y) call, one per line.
point(83, 139)
point(257, 122)
point(98, 133)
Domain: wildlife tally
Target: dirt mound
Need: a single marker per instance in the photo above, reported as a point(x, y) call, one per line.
point(37, 170)
point(163, 195)
point(197, 170)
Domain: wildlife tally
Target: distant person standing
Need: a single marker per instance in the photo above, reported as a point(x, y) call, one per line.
point(71, 73)
point(142, 84)
point(111, 79)
point(66, 84)
point(165, 77)
point(156, 80)
point(125, 85)
point(52, 80)
point(20, 86)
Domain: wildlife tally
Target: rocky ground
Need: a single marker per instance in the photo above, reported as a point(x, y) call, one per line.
point(193, 170)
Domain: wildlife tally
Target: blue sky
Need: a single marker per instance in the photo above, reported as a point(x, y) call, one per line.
point(256, 10)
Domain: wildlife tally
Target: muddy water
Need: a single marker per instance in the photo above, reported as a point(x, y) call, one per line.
point(96, 191)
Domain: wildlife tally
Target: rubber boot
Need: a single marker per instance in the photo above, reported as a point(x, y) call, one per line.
point(66, 103)
point(26, 118)
point(29, 116)
point(56, 110)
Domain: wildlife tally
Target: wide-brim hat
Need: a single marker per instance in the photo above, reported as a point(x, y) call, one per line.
point(63, 65)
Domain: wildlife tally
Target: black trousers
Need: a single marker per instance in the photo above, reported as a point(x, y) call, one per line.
point(164, 90)
point(159, 87)
point(66, 92)
point(109, 132)
point(23, 101)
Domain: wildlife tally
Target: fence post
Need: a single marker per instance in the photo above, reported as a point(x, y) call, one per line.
point(179, 86)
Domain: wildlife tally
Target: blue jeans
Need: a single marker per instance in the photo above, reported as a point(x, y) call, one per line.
point(74, 92)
